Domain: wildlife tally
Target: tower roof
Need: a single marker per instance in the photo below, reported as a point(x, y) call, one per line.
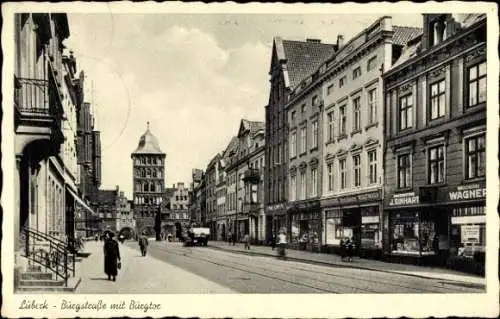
point(148, 144)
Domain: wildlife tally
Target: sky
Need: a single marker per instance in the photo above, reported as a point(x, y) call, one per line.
point(193, 77)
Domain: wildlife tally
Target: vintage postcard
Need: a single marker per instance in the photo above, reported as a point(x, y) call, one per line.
point(250, 160)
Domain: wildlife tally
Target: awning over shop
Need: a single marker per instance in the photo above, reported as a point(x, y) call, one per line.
point(80, 201)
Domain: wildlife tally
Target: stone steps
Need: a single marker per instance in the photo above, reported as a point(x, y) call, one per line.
point(41, 282)
point(72, 285)
point(36, 276)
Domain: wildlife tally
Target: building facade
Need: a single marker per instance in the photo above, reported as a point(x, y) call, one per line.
point(126, 220)
point(148, 180)
point(221, 193)
point(435, 174)
point(291, 61)
point(211, 175)
point(230, 158)
point(305, 169)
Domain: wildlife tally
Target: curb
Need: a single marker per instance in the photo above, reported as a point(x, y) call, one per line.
point(323, 263)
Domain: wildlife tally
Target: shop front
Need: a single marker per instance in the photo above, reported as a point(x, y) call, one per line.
point(276, 220)
point(356, 217)
point(305, 226)
point(439, 226)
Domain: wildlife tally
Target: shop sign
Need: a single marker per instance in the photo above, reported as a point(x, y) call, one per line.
point(470, 233)
point(474, 191)
point(404, 199)
point(275, 207)
point(369, 219)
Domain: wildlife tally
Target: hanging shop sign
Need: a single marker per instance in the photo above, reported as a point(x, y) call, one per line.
point(404, 199)
point(474, 191)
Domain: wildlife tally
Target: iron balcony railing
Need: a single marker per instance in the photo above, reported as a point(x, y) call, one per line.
point(30, 96)
point(49, 252)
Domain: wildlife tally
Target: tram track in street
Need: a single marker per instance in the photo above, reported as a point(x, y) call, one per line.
point(306, 275)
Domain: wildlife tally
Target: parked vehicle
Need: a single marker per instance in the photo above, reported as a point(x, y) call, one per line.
point(197, 236)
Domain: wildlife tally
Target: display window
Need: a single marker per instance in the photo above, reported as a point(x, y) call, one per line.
point(468, 231)
point(370, 235)
point(412, 236)
point(333, 231)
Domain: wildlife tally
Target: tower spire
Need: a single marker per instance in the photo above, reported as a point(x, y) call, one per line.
point(148, 125)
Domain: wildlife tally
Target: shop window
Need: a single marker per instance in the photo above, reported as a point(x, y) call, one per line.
point(475, 165)
point(372, 162)
point(357, 170)
point(438, 100)
point(436, 164)
point(468, 231)
point(477, 84)
point(405, 112)
point(343, 173)
point(357, 114)
point(404, 171)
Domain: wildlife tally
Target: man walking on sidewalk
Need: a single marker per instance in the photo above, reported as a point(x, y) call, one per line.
point(246, 240)
point(143, 243)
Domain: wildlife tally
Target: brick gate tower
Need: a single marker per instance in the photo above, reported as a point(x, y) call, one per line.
point(148, 162)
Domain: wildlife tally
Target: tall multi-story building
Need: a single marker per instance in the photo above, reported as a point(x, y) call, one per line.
point(220, 191)
point(108, 209)
point(125, 223)
point(177, 210)
point(291, 61)
point(230, 157)
point(46, 105)
point(305, 170)
point(197, 176)
point(435, 160)
point(211, 174)
point(148, 180)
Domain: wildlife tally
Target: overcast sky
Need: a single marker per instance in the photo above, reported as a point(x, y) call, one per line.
point(192, 76)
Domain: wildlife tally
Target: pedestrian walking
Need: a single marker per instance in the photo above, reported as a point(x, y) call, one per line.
point(143, 244)
point(112, 260)
point(343, 249)
point(234, 239)
point(282, 244)
point(350, 249)
point(246, 240)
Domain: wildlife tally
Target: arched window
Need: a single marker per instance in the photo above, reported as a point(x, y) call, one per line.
point(154, 161)
point(145, 187)
point(154, 172)
point(152, 187)
point(148, 172)
point(149, 160)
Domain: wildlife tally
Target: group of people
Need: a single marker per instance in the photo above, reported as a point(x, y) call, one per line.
point(112, 259)
point(232, 239)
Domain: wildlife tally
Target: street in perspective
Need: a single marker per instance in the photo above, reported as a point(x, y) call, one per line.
point(249, 153)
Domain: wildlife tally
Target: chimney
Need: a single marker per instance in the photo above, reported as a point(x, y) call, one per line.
point(314, 40)
point(340, 41)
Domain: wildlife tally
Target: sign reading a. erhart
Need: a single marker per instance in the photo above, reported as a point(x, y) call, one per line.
point(404, 199)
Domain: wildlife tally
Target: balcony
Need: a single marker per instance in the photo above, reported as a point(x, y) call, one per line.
point(252, 176)
point(38, 110)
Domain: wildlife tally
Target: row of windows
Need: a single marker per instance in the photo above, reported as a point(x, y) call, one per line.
point(474, 162)
point(148, 172)
point(356, 73)
point(148, 200)
point(301, 192)
point(179, 206)
point(148, 187)
point(475, 88)
point(341, 168)
point(148, 160)
point(301, 143)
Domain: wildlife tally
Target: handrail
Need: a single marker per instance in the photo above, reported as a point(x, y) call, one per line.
point(54, 255)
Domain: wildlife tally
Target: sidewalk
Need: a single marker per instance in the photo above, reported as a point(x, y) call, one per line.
point(139, 275)
point(360, 263)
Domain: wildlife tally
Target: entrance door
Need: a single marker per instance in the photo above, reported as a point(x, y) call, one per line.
point(351, 219)
point(269, 228)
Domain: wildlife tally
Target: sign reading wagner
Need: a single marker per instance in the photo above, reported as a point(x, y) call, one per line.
point(474, 191)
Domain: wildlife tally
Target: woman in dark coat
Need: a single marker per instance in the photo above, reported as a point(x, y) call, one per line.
point(111, 256)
